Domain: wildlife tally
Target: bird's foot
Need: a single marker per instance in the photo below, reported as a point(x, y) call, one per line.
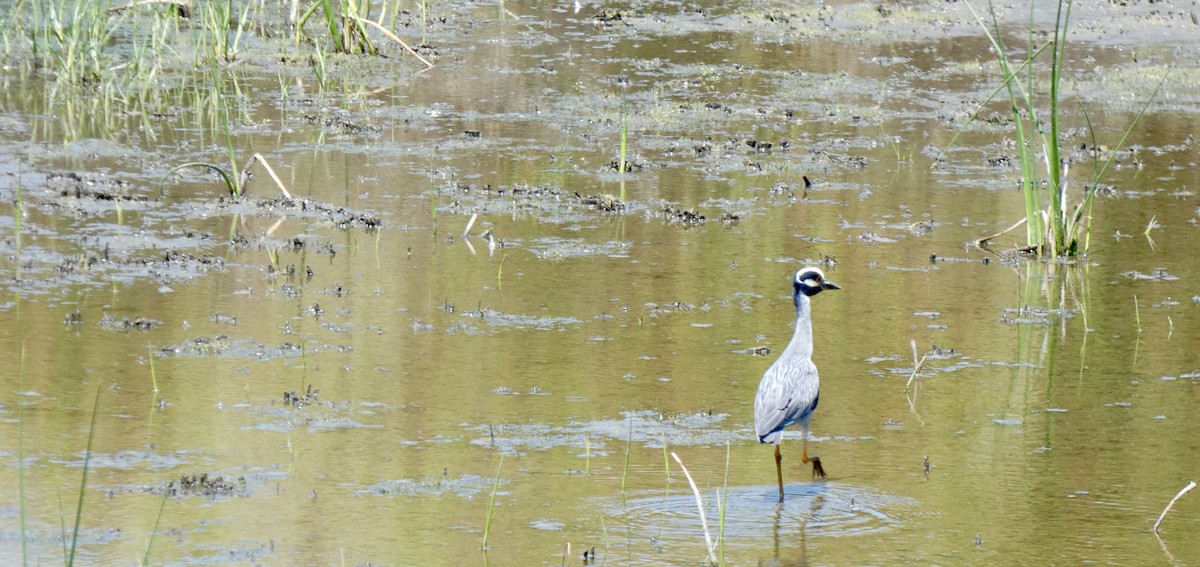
point(818, 470)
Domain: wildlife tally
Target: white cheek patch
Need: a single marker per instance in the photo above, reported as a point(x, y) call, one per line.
point(809, 277)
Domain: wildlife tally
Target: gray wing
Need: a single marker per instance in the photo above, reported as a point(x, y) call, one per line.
point(786, 395)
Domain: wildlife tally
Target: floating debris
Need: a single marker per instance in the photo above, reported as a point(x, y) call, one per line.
point(309, 397)
point(682, 217)
point(200, 346)
point(204, 485)
point(341, 217)
point(465, 486)
point(606, 203)
point(91, 186)
point(125, 324)
point(1159, 274)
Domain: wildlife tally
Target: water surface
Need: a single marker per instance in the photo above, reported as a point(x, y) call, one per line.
point(347, 378)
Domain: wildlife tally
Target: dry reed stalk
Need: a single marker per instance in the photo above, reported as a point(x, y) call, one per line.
point(1186, 489)
point(712, 556)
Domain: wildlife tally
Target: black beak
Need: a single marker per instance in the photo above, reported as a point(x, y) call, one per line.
point(829, 285)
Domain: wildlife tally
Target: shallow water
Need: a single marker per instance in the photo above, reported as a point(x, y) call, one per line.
point(354, 376)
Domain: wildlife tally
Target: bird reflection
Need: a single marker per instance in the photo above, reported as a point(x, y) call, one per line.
point(789, 552)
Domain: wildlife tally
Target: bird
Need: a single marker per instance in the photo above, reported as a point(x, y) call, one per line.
point(788, 391)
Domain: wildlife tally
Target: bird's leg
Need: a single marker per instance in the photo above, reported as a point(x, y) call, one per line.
point(818, 470)
point(779, 471)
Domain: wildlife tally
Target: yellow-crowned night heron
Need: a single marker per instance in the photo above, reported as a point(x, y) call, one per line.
point(788, 392)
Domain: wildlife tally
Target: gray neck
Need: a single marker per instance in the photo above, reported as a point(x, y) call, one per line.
point(801, 344)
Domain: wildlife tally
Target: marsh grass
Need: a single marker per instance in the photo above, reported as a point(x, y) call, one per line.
point(72, 41)
point(1061, 228)
point(394, 38)
point(353, 35)
point(217, 42)
point(234, 184)
point(116, 52)
point(346, 26)
point(112, 50)
point(106, 63)
point(235, 179)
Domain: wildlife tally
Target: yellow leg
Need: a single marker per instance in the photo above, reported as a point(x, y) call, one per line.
point(818, 470)
point(779, 471)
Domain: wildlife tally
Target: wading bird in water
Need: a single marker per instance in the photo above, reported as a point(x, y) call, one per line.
point(788, 392)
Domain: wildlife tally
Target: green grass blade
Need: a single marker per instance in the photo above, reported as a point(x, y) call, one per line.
point(1084, 211)
point(1051, 142)
point(339, 45)
point(150, 540)
point(1010, 75)
point(491, 508)
point(153, 374)
point(666, 458)
point(87, 458)
point(1019, 94)
point(237, 188)
point(625, 471)
point(229, 180)
point(21, 455)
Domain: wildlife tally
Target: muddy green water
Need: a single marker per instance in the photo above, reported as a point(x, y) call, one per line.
point(1052, 420)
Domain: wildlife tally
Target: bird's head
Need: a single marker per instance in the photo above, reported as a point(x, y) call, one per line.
point(811, 281)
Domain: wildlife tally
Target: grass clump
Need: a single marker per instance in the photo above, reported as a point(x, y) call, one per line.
point(235, 179)
point(1055, 226)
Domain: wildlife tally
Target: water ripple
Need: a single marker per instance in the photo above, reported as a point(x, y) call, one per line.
point(820, 509)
